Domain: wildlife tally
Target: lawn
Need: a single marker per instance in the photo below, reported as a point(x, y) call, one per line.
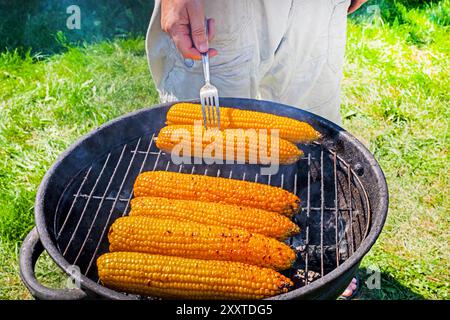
point(395, 100)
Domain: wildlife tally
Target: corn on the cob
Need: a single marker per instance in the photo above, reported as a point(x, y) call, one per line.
point(230, 144)
point(290, 129)
point(195, 240)
point(215, 189)
point(175, 277)
point(254, 220)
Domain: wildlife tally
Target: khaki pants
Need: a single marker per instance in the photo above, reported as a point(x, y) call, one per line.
point(288, 51)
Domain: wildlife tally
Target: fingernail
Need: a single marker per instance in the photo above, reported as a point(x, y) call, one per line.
point(203, 47)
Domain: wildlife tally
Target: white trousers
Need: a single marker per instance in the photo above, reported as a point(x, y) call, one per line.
point(288, 51)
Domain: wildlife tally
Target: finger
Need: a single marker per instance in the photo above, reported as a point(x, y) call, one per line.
point(356, 4)
point(352, 9)
point(197, 22)
point(198, 56)
point(211, 29)
point(185, 46)
point(212, 52)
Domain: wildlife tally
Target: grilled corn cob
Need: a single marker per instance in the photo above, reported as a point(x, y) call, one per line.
point(230, 144)
point(195, 240)
point(175, 277)
point(254, 220)
point(214, 189)
point(290, 129)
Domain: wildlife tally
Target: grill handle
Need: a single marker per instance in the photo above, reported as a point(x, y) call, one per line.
point(30, 251)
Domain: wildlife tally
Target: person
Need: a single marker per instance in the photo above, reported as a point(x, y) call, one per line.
point(288, 51)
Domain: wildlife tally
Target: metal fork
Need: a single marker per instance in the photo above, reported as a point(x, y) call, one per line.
point(209, 96)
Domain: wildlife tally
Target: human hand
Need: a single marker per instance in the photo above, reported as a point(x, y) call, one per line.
point(355, 5)
point(184, 21)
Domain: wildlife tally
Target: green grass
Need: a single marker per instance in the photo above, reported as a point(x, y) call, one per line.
point(395, 99)
point(45, 106)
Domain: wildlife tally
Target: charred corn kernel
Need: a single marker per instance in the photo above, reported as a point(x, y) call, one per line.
point(290, 129)
point(195, 240)
point(176, 277)
point(254, 146)
point(176, 185)
point(254, 220)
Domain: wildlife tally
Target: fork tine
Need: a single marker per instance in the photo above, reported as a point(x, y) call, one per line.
point(213, 118)
point(210, 123)
point(206, 112)
point(216, 105)
point(202, 100)
point(209, 96)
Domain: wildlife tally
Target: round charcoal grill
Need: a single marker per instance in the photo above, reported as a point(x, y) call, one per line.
point(342, 188)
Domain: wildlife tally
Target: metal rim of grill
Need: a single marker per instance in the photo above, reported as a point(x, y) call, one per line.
point(337, 221)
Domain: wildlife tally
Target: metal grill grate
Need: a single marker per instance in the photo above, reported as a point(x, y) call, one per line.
point(334, 219)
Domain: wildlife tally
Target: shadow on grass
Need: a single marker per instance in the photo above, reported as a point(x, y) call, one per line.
point(390, 288)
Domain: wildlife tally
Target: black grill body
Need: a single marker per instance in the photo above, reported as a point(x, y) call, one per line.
point(343, 191)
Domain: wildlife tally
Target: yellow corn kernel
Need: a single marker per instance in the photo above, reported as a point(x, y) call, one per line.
point(195, 240)
point(255, 146)
point(176, 277)
point(254, 220)
point(290, 129)
point(176, 185)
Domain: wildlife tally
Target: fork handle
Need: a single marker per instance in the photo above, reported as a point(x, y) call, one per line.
point(205, 57)
point(205, 62)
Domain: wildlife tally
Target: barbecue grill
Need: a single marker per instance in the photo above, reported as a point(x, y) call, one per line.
point(343, 191)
